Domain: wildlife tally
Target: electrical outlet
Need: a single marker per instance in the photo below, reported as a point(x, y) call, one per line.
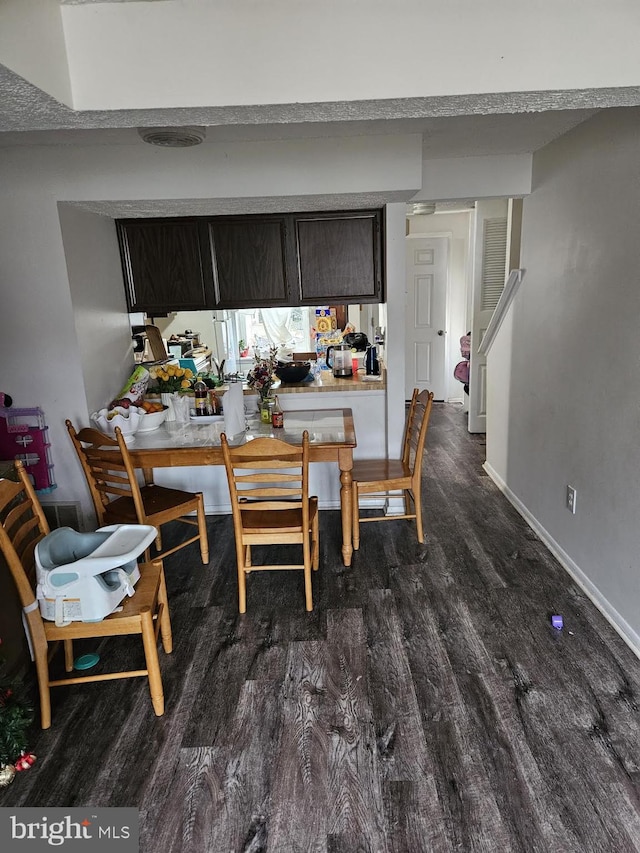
point(571, 499)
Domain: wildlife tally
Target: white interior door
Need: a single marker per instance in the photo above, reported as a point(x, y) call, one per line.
point(426, 311)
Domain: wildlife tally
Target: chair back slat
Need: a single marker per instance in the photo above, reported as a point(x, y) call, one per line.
point(281, 492)
point(258, 505)
point(22, 526)
point(416, 428)
point(268, 477)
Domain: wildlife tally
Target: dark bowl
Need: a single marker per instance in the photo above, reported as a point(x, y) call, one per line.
point(292, 371)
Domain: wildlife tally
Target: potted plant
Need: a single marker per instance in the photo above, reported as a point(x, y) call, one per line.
point(170, 381)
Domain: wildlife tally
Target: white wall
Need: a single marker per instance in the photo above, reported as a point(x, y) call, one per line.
point(395, 228)
point(105, 348)
point(32, 44)
point(476, 177)
point(572, 412)
point(233, 52)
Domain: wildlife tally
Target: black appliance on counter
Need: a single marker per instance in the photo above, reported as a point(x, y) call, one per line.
point(371, 363)
point(356, 340)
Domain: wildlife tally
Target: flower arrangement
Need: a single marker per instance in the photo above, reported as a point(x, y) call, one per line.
point(260, 377)
point(169, 378)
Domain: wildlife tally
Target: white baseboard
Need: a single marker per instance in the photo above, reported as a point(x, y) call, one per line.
point(631, 638)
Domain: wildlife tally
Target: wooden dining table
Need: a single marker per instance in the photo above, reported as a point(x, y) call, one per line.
point(332, 438)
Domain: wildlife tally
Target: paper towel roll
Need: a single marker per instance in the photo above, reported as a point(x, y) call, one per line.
point(233, 410)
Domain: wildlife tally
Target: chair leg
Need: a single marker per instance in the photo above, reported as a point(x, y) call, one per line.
point(308, 591)
point(315, 543)
point(68, 655)
point(202, 530)
point(158, 542)
point(153, 665)
point(355, 514)
point(417, 506)
point(242, 578)
point(42, 672)
point(165, 619)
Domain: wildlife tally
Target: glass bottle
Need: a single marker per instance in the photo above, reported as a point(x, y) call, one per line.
point(200, 391)
point(277, 415)
point(266, 406)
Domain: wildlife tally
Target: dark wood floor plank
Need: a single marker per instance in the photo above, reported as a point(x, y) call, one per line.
point(298, 817)
point(409, 808)
point(355, 803)
point(402, 749)
point(162, 801)
point(226, 807)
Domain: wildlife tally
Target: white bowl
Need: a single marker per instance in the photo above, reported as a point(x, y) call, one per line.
point(152, 420)
point(127, 419)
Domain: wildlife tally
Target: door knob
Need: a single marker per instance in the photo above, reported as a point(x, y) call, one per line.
point(441, 332)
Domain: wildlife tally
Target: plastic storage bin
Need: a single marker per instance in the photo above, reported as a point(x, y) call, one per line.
point(24, 436)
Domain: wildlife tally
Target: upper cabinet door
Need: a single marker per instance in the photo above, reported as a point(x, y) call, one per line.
point(165, 265)
point(249, 267)
point(339, 256)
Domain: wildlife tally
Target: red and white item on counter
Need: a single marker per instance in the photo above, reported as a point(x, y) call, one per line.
point(134, 389)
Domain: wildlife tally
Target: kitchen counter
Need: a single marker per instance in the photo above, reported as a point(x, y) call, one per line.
point(325, 382)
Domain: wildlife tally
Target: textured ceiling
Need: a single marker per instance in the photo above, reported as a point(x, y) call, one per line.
point(461, 126)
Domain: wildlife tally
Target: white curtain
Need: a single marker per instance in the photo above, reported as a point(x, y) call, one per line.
point(275, 322)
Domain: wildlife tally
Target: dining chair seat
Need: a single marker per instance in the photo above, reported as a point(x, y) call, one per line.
point(390, 473)
point(159, 501)
point(284, 520)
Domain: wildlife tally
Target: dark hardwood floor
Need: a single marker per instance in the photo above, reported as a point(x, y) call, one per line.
point(425, 705)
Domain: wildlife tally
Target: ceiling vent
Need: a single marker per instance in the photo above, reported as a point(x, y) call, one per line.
point(173, 137)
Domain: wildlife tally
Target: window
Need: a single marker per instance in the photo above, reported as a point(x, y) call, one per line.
point(261, 328)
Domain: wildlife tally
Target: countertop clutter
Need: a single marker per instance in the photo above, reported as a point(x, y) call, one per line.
point(325, 381)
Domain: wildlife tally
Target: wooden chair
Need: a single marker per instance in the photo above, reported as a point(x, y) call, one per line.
point(382, 476)
point(269, 488)
point(22, 526)
point(118, 498)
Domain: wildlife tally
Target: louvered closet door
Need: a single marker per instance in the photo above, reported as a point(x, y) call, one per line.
point(426, 308)
point(488, 283)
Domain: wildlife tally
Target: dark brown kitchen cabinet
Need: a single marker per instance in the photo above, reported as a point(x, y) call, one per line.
point(166, 264)
point(249, 255)
point(339, 256)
